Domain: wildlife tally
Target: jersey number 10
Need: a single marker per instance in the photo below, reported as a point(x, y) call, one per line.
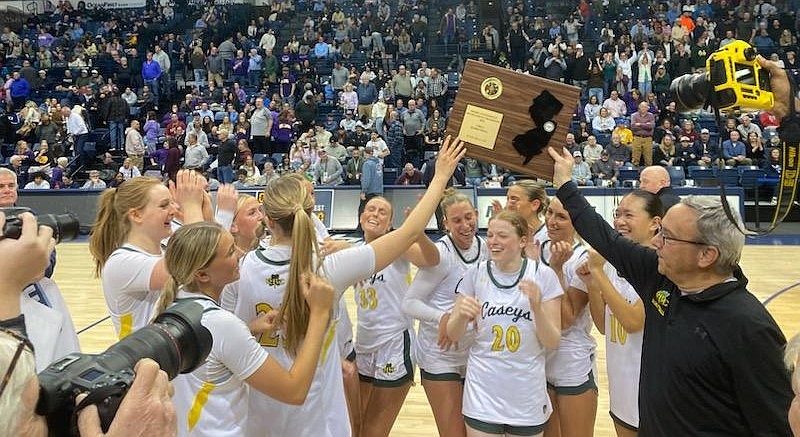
point(618, 333)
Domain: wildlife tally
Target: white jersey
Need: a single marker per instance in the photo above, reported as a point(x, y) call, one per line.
point(435, 286)
point(540, 234)
point(570, 364)
point(623, 356)
point(379, 301)
point(126, 286)
point(212, 400)
point(48, 322)
point(261, 287)
point(506, 350)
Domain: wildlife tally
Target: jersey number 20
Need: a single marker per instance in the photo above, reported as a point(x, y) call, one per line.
point(512, 338)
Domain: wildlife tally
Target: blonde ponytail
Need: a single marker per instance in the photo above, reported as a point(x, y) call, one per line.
point(111, 226)
point(288, 204)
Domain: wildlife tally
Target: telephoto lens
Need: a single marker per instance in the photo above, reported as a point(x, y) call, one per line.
point(65, 226)
point(690, 91)
point(176, 340)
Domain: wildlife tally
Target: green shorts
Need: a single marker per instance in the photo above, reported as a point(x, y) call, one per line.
point(497, 428)
point(590, 384)
point(450, 376)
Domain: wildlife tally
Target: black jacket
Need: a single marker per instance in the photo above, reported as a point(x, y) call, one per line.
point(712, 362)
point(668, 198)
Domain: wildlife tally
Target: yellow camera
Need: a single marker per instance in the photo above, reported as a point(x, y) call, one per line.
point(736, 77)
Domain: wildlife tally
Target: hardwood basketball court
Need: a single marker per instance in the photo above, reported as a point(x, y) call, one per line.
point(770, 269)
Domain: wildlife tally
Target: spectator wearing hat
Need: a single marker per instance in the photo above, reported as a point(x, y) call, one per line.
point(42, 82)
point(306, 111)
point(581, 174)
point(687, 153)
point(578, 67)
point(707, 151)
point(83, 79)
point(605, 171)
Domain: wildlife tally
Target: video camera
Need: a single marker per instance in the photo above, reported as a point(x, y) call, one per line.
point(175, 340)
point(733, 76)
point(64, 226)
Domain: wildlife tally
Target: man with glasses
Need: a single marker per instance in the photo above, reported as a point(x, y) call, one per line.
point(146, 407)
point(712, 355)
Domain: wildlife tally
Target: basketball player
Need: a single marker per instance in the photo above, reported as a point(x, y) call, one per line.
point(293, 248)
point(618, 312)
point(213, 400)
point(385, 334)
point(430, 299)
point(515, 305)
point(132, 220)
point(570, 368)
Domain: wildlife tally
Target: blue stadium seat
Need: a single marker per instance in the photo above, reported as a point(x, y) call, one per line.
point(729, 176)
point(628, 174)
point(677, 176)
point(750, 176)
point(703, 177)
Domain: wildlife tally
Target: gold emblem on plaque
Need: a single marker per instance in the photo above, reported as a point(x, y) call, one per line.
point(491, 88)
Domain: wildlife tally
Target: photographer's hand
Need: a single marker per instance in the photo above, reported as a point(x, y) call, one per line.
point(23, 260)
point(779, 83)
point(146, 410)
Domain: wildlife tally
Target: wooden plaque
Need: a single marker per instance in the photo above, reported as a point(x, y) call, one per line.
point(491, 108)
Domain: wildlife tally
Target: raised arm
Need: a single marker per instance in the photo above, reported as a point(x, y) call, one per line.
point(637, 263)
point(390, 246)
point(423, 253)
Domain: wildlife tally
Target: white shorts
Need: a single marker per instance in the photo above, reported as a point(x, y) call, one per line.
point(389, 365)
point(438, 365)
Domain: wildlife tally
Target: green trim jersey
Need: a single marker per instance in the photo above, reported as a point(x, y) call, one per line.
point(506, 381)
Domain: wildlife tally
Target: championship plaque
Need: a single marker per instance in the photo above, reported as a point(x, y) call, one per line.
point(510, 118)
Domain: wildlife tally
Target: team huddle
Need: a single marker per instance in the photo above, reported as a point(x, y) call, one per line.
point(503, 343)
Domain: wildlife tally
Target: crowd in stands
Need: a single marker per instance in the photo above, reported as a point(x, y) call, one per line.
point(295, 84)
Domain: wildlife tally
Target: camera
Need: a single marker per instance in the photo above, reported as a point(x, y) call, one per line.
point(64, 226)
point(733, 75)
point(176, 340)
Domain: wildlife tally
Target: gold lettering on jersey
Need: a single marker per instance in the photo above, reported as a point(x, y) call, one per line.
point(275, 281)
point(388, 368)
point(661, 301)
point(488, 310)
